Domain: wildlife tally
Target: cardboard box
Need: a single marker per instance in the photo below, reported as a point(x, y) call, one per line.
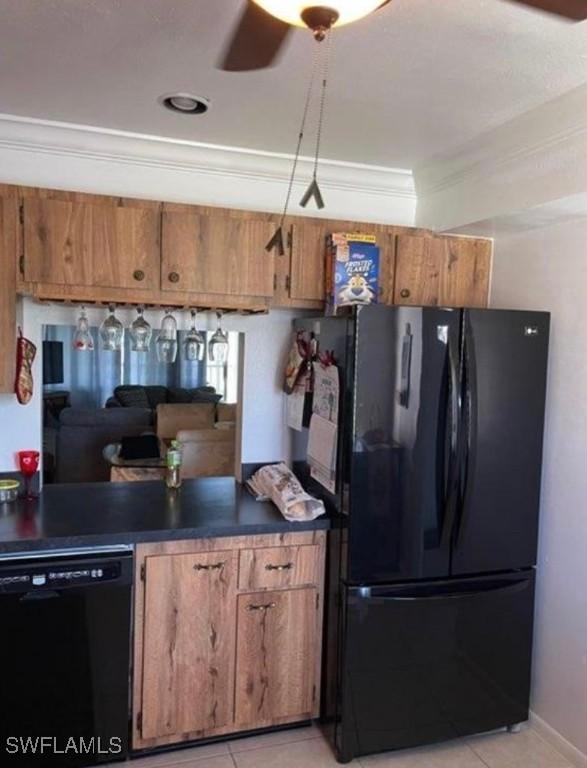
point(352, 271)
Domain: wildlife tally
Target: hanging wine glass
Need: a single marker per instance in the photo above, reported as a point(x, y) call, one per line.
point(111, 332)
point(167, 339)
point(194, 343)
point(140, 333)
point(82, 338)
point(218, 345)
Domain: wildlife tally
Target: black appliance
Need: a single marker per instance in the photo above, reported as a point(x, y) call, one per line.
point(430, 605)
point(65, 650)
point(52, 362)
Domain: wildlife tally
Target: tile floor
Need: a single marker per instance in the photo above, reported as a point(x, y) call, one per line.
point(306, 748)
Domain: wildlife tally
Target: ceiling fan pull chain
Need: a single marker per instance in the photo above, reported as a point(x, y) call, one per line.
point(277, 241)
point(313, 190)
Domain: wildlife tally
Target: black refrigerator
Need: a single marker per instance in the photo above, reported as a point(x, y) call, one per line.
point(430, 588)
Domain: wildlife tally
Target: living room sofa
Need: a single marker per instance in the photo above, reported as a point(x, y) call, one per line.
point(84, 432)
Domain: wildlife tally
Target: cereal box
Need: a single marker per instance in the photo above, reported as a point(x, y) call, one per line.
point(352, 271)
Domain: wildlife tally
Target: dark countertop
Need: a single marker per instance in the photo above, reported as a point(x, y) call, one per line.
point(101, 514)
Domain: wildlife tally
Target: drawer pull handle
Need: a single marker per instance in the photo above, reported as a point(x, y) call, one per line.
point(138, 275)
point(173, 277)
point(284, 567)
point(263, 607)
point(404, 293)
point(210, 567)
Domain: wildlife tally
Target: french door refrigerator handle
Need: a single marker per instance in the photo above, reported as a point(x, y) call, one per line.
point(435, 595)
point(452, 422)
point(470, 403)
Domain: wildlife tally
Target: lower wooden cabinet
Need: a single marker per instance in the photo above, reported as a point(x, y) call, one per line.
point(275, 677)
point(227, 635)
point(189, 643)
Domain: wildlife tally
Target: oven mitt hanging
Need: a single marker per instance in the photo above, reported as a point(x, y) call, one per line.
point(25, 354)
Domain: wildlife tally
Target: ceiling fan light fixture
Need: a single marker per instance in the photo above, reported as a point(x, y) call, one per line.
point(300, 14)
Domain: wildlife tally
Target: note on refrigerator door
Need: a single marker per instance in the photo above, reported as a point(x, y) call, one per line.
point(322, 445)
point(326, 392)
point(295, 408)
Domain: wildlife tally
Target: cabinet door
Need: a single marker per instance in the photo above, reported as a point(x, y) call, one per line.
point(308, 249)
point(276, 653)
point(216, 255)
point(443, 271)
point(189, 643)
point(73, 243)
point(8, 256)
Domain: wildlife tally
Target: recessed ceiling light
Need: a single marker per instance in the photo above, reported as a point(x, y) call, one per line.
point(185, 103)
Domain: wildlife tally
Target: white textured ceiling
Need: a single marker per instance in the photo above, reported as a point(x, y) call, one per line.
point(417, 79)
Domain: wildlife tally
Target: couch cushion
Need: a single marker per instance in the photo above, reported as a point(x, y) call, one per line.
point(132, 396)
point(172, 417)
point(156, 395)
point(105, 417)
point(179, 395)
point(202, 395)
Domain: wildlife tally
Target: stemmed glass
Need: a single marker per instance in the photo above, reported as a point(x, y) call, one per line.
point(111, 332)
point(140, 333)
point(194, 343)
point(218, 345)
point(28, 462)
point(167, 339)
point(82, 338)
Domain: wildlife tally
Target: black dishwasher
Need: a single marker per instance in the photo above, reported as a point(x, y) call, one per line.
point(65, 659)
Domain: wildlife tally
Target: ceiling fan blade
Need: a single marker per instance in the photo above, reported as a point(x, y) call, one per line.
point(256, 41)
point(570, 9)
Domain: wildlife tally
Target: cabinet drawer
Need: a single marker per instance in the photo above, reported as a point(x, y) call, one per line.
point(275, 567)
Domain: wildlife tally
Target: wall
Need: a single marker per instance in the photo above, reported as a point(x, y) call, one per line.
point(266, 343)
point(547, 269)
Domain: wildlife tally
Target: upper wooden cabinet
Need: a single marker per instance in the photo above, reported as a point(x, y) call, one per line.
point(81, 244)
point(216, 254)
point(9, 237)
point(443, 271)
point(307, 260)
point(93, 248)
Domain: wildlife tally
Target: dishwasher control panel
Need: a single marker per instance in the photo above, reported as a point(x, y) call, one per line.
point(32, 576)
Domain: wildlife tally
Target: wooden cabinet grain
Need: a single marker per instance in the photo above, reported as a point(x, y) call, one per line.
point(219, 651)
point(189, 642)
point(90, 248)
point(443, 271)
point(74, 243)
point(9, 248)
point(216, 254)
point(275, 659)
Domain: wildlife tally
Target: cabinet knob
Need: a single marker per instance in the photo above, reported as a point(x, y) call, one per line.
point(209, 567)
point(263, 607)
point(284, 567)
point(138, 274)
point(173, 277)
point(404, 293)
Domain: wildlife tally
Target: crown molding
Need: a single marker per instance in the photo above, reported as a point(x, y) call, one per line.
point(142, 151)
point(533, 160)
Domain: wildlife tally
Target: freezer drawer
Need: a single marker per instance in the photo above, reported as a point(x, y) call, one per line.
point(424, 662)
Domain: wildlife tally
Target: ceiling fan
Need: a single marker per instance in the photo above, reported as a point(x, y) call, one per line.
point(265, 24)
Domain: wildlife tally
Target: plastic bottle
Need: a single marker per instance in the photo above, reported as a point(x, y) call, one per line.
point(173, 472)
